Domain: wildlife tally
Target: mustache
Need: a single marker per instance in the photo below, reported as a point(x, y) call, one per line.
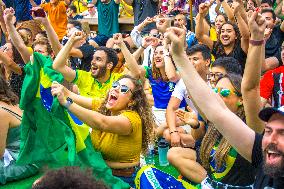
point(273, 147)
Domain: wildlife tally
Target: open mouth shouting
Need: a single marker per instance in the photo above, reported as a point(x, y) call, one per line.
point(112, 99)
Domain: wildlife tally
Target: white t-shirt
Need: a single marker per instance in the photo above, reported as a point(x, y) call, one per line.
point(180, 92)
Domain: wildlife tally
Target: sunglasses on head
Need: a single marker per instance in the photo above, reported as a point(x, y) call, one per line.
point(123, 88)
point(225, 92)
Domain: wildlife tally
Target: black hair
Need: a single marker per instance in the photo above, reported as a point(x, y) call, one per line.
point(269, 10)
point(76, 24)
point(230, 64)
point(69, 177)
point(269, 2)
point(111, 55)
point(73, 8)
point(205, 50)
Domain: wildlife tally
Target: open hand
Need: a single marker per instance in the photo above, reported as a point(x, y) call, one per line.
point(189, 118)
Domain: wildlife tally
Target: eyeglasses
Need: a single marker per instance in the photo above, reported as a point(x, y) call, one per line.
point(123, 88)
point(225, 92)
point(157, 35)
point(117, 50)
point(216, 75)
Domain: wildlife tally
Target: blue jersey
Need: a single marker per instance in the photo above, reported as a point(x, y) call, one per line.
point(161, 90)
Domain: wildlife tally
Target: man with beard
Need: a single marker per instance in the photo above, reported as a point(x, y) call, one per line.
point(266, 152)
point(98, 80)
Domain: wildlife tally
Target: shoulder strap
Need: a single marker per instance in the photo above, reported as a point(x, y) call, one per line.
point(17, 116)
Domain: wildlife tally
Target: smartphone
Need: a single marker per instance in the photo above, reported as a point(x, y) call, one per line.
point(38, 13)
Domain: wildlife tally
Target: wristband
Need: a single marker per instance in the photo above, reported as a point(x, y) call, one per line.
point(196, 127)
point(173, 132)
point(68, 103)
point(256, 42)
point(143, 47)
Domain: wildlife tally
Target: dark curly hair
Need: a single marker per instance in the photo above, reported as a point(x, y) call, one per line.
point(219, 46)
point(6, 94)
point(140, 106)
point(69, 178)
point(111, 56)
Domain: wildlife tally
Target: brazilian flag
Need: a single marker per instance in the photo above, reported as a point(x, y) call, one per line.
point(50, 134)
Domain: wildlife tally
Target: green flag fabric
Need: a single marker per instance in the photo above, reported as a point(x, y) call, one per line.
point(52, 135)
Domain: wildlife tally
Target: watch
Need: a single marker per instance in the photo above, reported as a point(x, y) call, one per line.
point(68, 103)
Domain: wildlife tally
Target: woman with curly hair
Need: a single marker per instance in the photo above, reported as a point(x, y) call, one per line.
point(216, 161)
point(122, 128)
point(11, 116)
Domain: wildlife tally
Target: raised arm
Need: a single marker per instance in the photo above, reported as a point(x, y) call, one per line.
point(52, 36)
point(229, 125)
point(228, 11)
point(2, 21)
point(199, 28)
point(10, 64)
point(33, 3)
point(113, 124)
point(243, 27)
point(130, 61)
point(251, 78)
point(170, 69)
point(15, 36)
point(59, 63)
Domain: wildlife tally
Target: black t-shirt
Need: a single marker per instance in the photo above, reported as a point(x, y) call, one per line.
point(16, 81)
point(262, 180)
point(273, 44)
point(238, 53)
point(83, 63)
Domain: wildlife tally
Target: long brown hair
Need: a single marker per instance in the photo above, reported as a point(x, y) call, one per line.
point(156, 71)
point(213, 136)
point(141, 106)
point(6, 94)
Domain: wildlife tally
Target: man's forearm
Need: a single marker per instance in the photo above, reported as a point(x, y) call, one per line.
point(52, 37)
point(62, 56)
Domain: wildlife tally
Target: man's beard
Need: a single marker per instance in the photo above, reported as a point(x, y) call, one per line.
point(275, 170)
point(101, 73)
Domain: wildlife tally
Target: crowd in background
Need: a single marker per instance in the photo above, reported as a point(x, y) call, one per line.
point(208, 78)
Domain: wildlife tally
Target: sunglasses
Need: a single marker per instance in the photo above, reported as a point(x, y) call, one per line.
point(225, 92)
point(123, 88)
point(157, 35)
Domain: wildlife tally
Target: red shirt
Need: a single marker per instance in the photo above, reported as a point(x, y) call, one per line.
point(267, 87)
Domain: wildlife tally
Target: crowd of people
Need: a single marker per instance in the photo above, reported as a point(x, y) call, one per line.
point(211, 84)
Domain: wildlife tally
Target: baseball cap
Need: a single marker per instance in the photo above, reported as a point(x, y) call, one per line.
point(266, 113)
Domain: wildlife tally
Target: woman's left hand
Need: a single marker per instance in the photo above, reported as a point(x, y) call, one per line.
point(58, 90)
